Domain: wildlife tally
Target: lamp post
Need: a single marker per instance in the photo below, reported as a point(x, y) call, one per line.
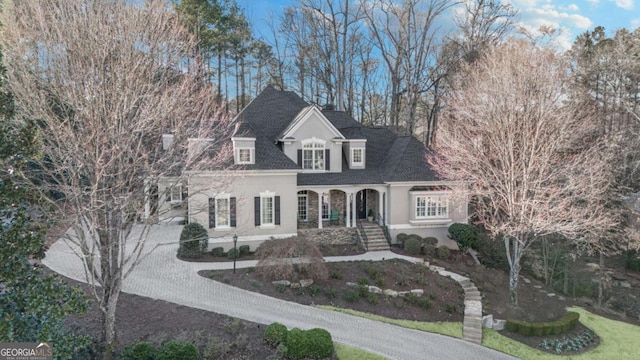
point(235, 251)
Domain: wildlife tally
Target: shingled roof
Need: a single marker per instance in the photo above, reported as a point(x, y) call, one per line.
point(388, 156)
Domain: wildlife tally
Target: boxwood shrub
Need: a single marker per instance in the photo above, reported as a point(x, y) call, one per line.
point(140, 350)
point(402, 237)
point(178, 349)
point(297, 344)
point(413, 245)
point(320, 344)
point(193, 241)
point(244, 250)
point(275, 334)
point(217, 251)
point(560, 326)
point(443, 252)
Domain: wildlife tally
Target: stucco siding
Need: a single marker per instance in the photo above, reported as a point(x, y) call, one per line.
point(244, 188)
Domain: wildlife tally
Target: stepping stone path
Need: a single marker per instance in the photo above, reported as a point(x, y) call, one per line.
point(472, 324)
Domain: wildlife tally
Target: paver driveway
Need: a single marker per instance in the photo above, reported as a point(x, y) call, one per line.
point(162, 276)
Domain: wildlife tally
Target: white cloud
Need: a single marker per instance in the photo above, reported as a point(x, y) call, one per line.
point(635, 23)
point(625, 4)
point(552, 16)
point(594, 2)
point(572, 7)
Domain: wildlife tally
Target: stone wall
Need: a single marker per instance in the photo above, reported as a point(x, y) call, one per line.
point(331, 236)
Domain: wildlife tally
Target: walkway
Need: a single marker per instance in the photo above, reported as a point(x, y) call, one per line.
point(162, 276)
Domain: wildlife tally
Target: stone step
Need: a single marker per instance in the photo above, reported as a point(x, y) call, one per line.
point(471, 331)
point(466, 283)
point(472, 293)
point(473, 322)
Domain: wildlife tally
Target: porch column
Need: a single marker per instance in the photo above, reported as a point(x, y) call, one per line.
point(355, 209)
point(380, 208)
point(348, 214)
point(320, 195)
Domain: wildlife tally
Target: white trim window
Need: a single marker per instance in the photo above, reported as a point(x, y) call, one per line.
point(357, 157)
point(175, 195)
point(313, 154)
point(303, 205)
point(267, 203)
point(245, 156)
point(431, 206)
point(326, 206)
point(223, 212)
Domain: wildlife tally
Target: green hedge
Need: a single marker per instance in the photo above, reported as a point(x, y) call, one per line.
point(300, 344)
point(244, 250)
point(560, 326)
point(217, 251)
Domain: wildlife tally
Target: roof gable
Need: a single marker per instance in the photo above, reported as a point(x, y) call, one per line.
point(310, 116)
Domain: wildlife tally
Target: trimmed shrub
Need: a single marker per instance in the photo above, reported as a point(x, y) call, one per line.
point(465, 235)
point(412, 246)
point(429, 250)
point(430, 240)
point(178, 349)
point(320, 344)
point(244, 250)
point(443, 252)
point(233, 254)
point(276, 260)
point(560, 326)
point(275, 334)
point(297, 344)
point(193, 241)
point(492, 253)
point(140, 350)
point(217, 252)
point(401, 238)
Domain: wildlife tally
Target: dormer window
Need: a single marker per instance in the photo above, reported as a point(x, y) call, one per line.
point(313, 155)
point(357, 157)
point(244, 150)
point(245, 156)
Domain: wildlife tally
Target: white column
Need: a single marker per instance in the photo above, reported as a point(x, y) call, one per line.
point(355, 209)
point(380, 207)
point(320, 210)
point(348, 214)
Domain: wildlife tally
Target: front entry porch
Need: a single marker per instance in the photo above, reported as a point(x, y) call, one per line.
point(330, 207)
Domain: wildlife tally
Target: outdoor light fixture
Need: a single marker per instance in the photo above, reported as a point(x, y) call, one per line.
point(235, 251)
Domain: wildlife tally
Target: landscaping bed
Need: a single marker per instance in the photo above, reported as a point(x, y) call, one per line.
point(442, 298)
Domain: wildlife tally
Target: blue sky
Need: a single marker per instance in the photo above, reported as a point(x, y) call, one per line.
point(571, 17)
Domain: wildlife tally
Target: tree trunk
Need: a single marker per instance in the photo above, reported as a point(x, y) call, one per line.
point(514, 254)
point(565, 276)
point(110, 301)
point(601, 280)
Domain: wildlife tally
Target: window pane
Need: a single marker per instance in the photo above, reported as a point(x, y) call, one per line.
point(222, 212)
point(244, 155)
point(319, 164)
point(302, 207)
point(357, 155)
point(267, 210)
point(307, 159)
point(325, 207)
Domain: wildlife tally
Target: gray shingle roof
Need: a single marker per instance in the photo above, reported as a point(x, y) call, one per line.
point(388, 157)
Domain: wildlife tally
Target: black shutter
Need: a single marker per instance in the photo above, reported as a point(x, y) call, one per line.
point(232, 211)
point(327, 159)
point(256, 202)
point(212, 213)
point(277, 210)
point(300, 158)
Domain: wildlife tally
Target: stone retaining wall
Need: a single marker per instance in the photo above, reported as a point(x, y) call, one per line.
point(331, 236)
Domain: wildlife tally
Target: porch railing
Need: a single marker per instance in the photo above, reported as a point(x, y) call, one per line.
point(385, 229)
point(363, 236)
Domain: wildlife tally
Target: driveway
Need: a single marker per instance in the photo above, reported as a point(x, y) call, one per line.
point(162, 276)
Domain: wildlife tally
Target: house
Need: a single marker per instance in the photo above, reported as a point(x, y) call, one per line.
point(300, 166)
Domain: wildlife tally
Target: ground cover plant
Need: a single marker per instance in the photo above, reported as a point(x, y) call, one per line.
point(347, 286)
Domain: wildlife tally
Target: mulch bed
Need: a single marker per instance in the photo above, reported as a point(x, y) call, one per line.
point(443, 298)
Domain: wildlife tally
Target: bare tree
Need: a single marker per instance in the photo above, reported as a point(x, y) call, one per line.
point(409, 39)
point(106, 79)
point(527, 152)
